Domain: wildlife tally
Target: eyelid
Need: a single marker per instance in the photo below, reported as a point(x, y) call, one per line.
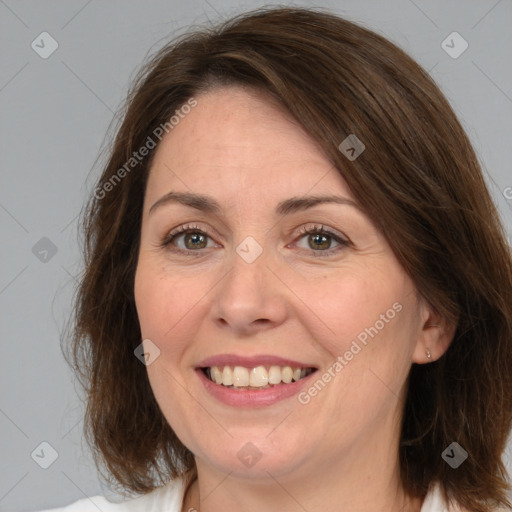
point(182, 230)
point(341, 239)
point(320, 228)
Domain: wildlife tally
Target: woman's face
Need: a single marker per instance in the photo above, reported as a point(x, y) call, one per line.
point(247, 289)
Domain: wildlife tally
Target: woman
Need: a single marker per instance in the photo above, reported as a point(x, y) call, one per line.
point(297, 292)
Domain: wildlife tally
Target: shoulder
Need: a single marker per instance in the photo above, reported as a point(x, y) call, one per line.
point(434, 502)
point(169, 498)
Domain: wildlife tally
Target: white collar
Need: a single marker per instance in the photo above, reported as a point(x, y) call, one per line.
point(434, 501)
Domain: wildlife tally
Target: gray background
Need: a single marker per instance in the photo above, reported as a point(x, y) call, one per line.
point(55, 113)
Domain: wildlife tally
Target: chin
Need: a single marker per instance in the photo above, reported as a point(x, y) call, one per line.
point(256, 454)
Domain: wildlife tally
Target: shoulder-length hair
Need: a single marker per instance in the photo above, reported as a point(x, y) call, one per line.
point(419, 181)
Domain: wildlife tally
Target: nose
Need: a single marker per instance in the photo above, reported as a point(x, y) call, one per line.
point(250, 297)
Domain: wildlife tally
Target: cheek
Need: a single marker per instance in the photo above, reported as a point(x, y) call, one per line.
point(375, 320)
point(354, 304)
point(165, 300)
point(167, 305)
point(370, 324)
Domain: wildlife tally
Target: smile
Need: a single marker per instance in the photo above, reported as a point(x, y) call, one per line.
point(253, 381)
point(258, 377)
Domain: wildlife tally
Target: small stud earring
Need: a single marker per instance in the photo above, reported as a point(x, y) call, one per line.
point(429, 355)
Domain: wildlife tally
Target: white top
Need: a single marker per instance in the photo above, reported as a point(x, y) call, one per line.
point(169, 498)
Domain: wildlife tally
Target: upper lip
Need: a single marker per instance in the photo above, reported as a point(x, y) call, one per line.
point(251, 362)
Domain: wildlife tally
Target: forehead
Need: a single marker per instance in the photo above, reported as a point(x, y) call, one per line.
point(237, 137)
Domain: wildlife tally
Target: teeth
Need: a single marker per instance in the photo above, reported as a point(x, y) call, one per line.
point(274, 375)
point(258, 377)
point(240, 377)
point(216, 375)
point(227, 376)
point(286, 375)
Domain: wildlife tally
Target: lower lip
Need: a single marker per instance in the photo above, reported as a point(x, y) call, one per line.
point(251, 398)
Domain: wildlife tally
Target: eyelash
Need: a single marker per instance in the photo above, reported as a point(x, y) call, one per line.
point(323, 231)
point(186, 229)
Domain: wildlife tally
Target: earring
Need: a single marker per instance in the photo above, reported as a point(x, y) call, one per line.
point(429, 355)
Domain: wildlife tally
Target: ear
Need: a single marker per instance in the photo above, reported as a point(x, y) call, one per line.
point(435, 336)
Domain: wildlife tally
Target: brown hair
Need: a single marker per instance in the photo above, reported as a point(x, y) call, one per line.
point(419, 181)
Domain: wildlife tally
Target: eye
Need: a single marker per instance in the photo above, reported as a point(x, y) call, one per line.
point(187, 238)
point(320, 240)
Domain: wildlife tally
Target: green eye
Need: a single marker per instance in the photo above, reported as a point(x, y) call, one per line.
point(320, 240)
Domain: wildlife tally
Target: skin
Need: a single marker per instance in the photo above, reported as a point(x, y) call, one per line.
point(339, 451)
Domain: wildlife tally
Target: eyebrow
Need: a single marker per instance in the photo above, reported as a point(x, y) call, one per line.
point(209, 205)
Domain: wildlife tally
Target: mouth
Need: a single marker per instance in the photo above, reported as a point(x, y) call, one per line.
point(255, 378)
point(249, 381)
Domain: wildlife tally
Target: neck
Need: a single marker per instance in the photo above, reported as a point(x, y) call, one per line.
point(364, 479)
